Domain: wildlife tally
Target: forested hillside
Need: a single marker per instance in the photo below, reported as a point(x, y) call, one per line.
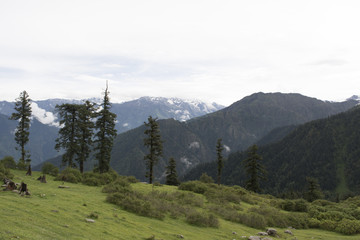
point(240, 125)
point(326, 149)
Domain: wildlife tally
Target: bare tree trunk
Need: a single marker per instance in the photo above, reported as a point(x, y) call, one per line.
point(29, 172)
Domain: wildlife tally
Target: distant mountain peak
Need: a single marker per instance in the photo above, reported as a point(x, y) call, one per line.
point(354, 97)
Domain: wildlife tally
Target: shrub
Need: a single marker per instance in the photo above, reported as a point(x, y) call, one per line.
point(329, 225)
point(134, 202)
point(157, 184)
point(91, 181)
point(119, 185)
point(314, 223)
point(49, 168)
point(348, 227)
point(194, 186)
point(8, 162)
point(69, 175)
point(253, 220)
point(130, 179)
point(21, 166)
point(301, 205)
point(322, 202)
point(5, 172)
point(202, 219)
point(288, 205)
point(98, 179)
point(222, 194)
point(206, 178)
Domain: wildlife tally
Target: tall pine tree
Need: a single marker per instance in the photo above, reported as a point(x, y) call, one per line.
point(254, 169)
point(23, 114)
point(86, 113)
point(68, 133)
point(105, 124)
point(154, 144)
point(220, 160)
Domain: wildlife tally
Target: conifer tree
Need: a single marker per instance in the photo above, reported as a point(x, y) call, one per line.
point(22, 114)
point(105, 124)
point(254, 169)
point(171, 174)
point(86, 131)
point(313, 190)
point(154, 144)
point(220, 159)
point(68, 133)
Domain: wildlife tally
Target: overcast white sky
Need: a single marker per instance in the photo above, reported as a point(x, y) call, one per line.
point(210, 50)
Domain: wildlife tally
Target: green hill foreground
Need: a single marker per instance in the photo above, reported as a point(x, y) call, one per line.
point(60, 213)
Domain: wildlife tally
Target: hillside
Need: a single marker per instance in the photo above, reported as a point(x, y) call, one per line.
point(54, 213)
point(325, 149)
point(41, 141)
point(239, 125)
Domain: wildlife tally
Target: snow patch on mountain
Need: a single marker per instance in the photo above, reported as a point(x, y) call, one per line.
point(227, 148)
point(186, 161)
point(194, 145)
point(43, 116)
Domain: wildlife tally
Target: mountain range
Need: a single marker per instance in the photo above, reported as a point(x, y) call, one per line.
point(263, 118)
point(243, 123)
point(44, 128)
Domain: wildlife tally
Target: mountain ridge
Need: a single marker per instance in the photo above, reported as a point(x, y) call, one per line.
point(239, 125)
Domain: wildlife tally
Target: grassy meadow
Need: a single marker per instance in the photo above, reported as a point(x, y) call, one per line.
point(60, 213)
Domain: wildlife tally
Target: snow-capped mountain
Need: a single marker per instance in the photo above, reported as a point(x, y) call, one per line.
point(129, 114)
point(354, 97)
point(133, 113)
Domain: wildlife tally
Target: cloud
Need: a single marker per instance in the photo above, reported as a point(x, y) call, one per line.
point(168, 49)
point(329, 62)
point(43, 116)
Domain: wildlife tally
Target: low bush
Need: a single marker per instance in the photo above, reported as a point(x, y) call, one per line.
point(8, 162)
point(253, 220)
point(206, 178)
point(328, 225)
point(5, 172)
point(194, 186)
point(136, 203)
point(314, 223)
point(202, 219)
point(91, 181)
point(288, 205)
point(301, 205)
point(119, 185)
point(69, 175)
point(348, 227)
point(49, 168)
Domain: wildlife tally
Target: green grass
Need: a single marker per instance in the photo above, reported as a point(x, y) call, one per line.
point(54, 213)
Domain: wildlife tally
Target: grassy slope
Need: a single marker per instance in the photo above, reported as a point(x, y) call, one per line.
point(54, 213)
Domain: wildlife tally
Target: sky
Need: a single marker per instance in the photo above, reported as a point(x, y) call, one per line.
point(214, 51)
